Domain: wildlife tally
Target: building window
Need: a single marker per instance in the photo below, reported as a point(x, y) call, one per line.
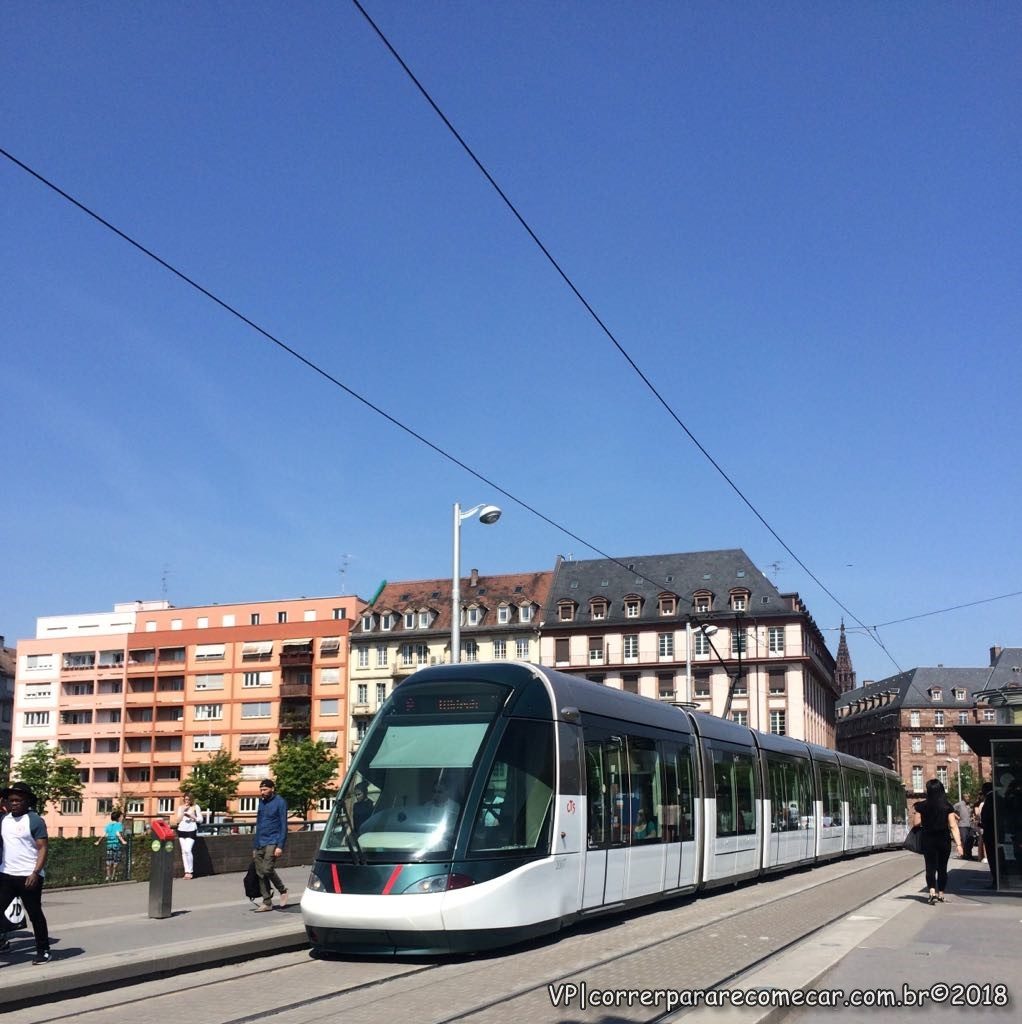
point(251, 679)
point(565, 611)
point(963, 717)
point(963, 747)
point(631, 647)
point(104, 805)
point(36, 718)
point(936, 693)
point(381, 693)
point(329, 676)
point(667, 605)
point(775, 639)
point(260, 710)
point(525, 613)
point(742, 718)
point(406, 655)
point(361, 728)
point(422, 654)
point(330, 707)
point(363, 656)
point(471, 649)
point(739, 641)
point(938, 718)
point(630, 683)
point(522, 649)
point(632, 606)
point(387, 620)
point(596, 650)
point(281, 617)
point(778, 684)
point(340, 613)
point(989, 715)
point(917, 744)
point(208, 712)
point(739, 601)
point(702, 642)
point(917, 779)
point(255, 741)
point(134, 805)
point(362, 693)
point(202, 743)
point(499, 650)
point(665, 685)
point(367, 623)
point(942, 774)
point(248, 805)
point(777, 722)
point(941, 744)
point(381, 655)
point(325, 804)
point(561, 652)
point(425, 618)
point(253, 619)
point(665, 645)
point(702, 601)
point(913, 719)
point(701, 684)
point(474, 615)
point(960, 694)
point(70, 807)
point(503, 615)
point(598, 609)
point(409, 620)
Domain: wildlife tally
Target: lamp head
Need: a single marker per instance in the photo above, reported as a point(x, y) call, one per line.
point(707, 630)
point(489, 514)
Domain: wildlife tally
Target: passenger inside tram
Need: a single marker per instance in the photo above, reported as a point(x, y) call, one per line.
point(645, 827)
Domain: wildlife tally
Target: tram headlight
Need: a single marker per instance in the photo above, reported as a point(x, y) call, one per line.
point(439, 883)
point(315, 883)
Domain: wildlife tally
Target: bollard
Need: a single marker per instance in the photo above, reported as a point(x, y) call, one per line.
point(161, 873)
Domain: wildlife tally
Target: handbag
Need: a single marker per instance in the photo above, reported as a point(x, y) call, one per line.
point(15, 912)
point(251, 883)
point(914, 840)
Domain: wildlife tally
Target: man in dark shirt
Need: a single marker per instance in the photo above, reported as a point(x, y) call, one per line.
point(268, 843)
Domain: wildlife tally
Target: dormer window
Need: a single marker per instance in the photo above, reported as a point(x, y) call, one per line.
point(739, 600)
point(633, 605)
point(565, 611)
point(598, 608)
point(702, 601)
point(387, 620)
point(425, 618)
point(367, 623)
point(525, 613)
point(409, 620)
point(504, 614)
point(960, 694)
point(667, 604)
point(936, 693)
point(473, 615)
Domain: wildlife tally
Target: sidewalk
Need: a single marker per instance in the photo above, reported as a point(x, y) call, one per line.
point(102, 934)
point(898, 941)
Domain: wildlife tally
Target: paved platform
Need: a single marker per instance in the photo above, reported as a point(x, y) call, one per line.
point(102, 935)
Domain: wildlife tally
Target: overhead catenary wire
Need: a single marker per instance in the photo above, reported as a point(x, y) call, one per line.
point(607, 331)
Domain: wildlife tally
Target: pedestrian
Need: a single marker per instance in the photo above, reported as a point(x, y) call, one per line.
point(362, 808)
point(188, 819)
point(268, 843)
point(23, 866)
point(986, 820)
point(964, 812)
point(113, 833)
point(939, 824)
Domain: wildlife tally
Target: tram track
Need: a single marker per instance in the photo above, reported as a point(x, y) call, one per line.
point(719, 938)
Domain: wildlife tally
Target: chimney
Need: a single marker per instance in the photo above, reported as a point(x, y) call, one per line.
point(995, 653)
point(473, 580)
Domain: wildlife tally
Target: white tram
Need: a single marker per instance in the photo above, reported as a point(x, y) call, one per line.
point(490, 803)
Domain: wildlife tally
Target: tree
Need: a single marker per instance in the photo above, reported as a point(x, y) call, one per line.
point(971, 784)
point(305, 771)
point(5, 767)
point(50, 774)
point(213, 782)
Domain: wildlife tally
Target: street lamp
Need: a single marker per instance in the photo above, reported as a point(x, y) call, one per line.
point(958, 762)
point(488, 515)
point(708, 630)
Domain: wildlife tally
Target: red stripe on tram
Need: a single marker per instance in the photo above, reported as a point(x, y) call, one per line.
point(392, 879)
point(337, 881)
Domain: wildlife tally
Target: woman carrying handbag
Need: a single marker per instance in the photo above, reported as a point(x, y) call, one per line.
point(939, 827)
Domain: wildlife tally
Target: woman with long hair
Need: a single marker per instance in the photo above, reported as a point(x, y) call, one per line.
point(188, 818)
point(939, 824)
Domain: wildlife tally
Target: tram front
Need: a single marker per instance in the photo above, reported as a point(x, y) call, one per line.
point(449, 789)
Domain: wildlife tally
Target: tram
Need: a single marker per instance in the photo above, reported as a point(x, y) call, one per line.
point(492, 803)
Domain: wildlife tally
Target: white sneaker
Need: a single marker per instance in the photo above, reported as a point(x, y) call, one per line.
point(283, 899)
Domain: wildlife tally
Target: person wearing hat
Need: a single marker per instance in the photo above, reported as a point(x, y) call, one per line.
point(22, 867)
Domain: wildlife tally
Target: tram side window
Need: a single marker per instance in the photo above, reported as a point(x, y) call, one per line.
point(859, 798)
point(898, 807)
point(596, 794)
point(678, 823)
point(830, 784)
point(790, 804)
point(735, 790)
point(516, 808)
point(644, 794)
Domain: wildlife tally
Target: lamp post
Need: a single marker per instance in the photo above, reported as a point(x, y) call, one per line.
point(958, 764)
point(708, 630)
point(488, 515)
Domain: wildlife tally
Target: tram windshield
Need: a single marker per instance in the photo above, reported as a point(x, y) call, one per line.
point(405, 792)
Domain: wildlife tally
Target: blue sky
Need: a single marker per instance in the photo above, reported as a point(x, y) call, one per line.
point(801, 220)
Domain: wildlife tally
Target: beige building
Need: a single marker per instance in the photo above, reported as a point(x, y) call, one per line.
point(140, 695)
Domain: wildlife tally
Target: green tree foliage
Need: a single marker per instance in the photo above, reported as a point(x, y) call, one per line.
point(213, 782)
point(5, 767)
point(971, 784)
point(50, 774)
point(305, 771)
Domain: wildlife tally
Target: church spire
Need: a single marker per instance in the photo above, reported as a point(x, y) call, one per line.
point(844, 674)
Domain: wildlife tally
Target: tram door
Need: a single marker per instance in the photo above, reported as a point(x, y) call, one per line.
point(606, 805)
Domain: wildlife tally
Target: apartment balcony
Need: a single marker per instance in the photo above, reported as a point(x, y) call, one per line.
point(167, 757)
point(299, 690)
point(135, 759)
point(296, 655)
point(107, 700)
point(362, 711)
point(354, 745)
point(136, 666)
point(292, 723)
point(170, 696)
point(108, 670)
point(172, 728)
point(138, 699)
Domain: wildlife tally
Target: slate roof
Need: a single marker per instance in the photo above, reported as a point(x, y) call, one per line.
point(488, 591)
point(1004, 676)
point(649, 576)
point(911, 689)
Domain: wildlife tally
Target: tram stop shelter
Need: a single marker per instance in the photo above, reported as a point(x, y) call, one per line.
point(1003, 745)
